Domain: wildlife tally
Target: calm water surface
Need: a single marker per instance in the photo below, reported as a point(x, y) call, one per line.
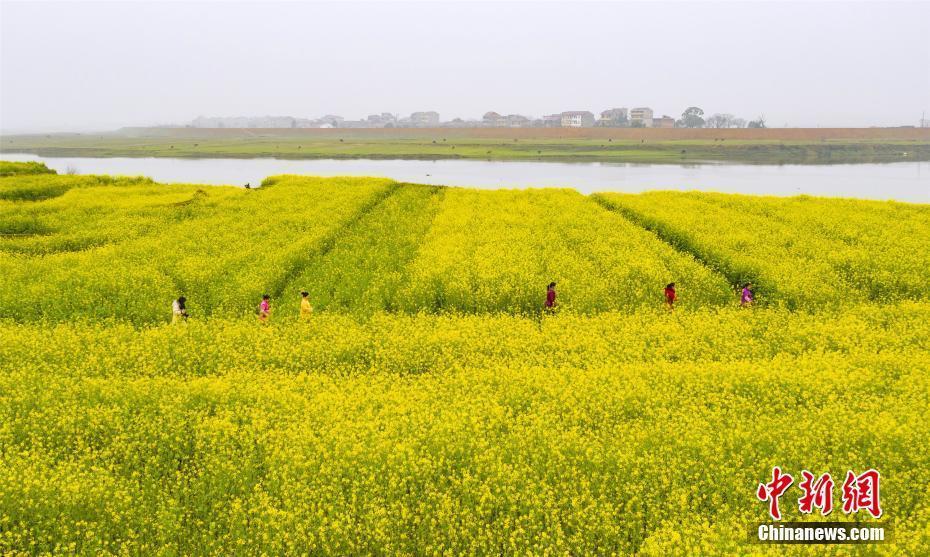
point(904, 181)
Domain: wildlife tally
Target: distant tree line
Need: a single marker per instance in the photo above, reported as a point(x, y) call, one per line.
point(693, 117)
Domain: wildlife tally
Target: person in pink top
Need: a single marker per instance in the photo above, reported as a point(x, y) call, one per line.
point(264, 309)
point(745, 298)
point(550, 298)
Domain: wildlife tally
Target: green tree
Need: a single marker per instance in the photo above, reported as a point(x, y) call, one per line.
point(692, 117)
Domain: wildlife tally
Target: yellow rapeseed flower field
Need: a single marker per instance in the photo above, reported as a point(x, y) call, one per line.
point(429, 406)
point(800, 251)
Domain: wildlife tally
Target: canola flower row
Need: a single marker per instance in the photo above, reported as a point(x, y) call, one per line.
point(480, 435)
point(342, 345)
point(236, 256)
point(493, 251)
point(97, 210)
point(364, 268)
point(79, 247)
point(220, 247)
point(8, 168)
point(799, 251)
point(358, 245)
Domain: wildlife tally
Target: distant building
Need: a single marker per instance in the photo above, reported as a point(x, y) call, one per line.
point(518, 121)
point(355, 124)
point(577, 119)
point(665, 121)
point(332, 120)
point(428, 119)
point(642, 115)
point(551, 121)
point(493, 120)
point(244, 122)
point(613, 118)
point(383, 120)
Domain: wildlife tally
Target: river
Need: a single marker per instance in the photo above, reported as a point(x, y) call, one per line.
point(901, 181)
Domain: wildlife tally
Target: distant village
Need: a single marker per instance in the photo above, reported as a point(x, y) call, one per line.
point(642, 117)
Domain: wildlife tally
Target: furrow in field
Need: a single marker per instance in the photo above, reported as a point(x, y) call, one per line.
point(495, 251)
point(799, 251)
point(222, 257)
point(325, 244)
point(364, 264)
point(676, 240)
point(230, 260)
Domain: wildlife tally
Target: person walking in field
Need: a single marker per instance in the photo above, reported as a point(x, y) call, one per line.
point(264, 309)
point(306, 310)
point(670, 295)
point(745, 299)
point(179, 310)
point(550, 298)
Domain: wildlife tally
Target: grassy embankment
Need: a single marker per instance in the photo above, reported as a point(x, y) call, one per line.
point(589, 145)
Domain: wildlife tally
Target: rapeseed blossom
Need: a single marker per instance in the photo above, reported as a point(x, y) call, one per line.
point(428, 407)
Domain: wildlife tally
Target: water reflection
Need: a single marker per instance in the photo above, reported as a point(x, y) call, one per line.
point(904, 181)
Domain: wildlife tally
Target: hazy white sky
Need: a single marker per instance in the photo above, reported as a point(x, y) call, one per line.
point(101, 65)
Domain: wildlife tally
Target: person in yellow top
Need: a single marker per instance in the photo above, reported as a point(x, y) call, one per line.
point(306, 310)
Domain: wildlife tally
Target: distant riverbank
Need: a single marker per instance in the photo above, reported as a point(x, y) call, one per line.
point(652, 146)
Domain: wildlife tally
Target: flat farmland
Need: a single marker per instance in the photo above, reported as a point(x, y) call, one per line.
point(428, 405)
point(778, 146)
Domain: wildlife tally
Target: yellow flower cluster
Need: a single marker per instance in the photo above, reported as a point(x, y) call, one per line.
point(428, 407)
point(100, 247)
point(495, 251)
point(96, 251)
point(800, 251)
point(341, 345)
point(126, 253)
point(8, 168)
point(610, 434)
point(361, 272)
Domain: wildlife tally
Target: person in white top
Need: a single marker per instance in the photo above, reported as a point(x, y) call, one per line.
point(179, 310)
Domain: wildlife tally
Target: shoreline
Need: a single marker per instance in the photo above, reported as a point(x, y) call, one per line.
point(657, 157)
point(563, 145)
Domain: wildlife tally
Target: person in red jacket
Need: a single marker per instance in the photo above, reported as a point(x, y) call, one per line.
point(670, 295)
point(550, 298)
